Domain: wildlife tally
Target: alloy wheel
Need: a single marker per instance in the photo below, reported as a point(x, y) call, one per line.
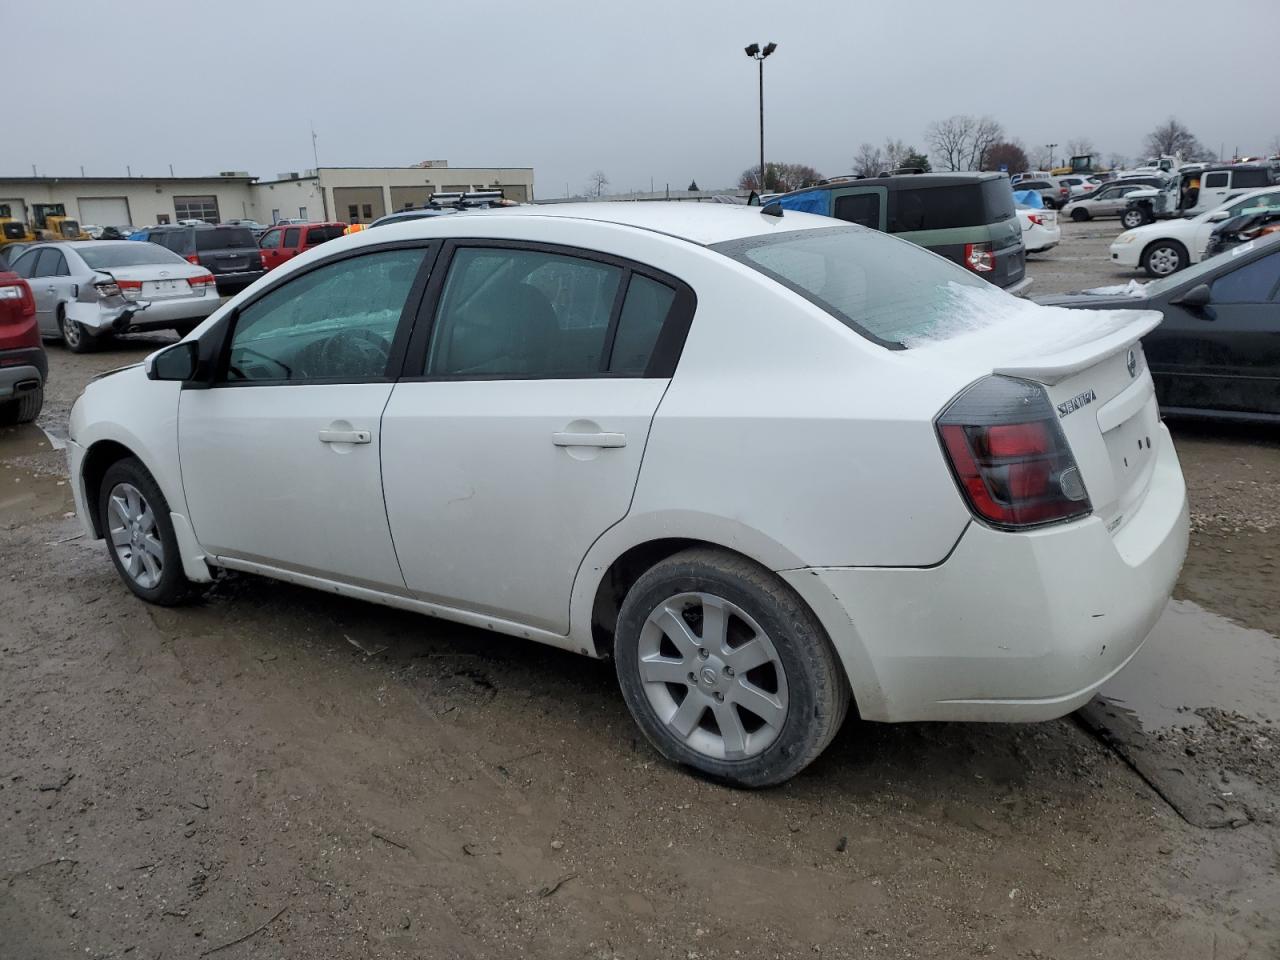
point(70, 333)
point(712, 676)
point(1164, 261)
point(134, 535)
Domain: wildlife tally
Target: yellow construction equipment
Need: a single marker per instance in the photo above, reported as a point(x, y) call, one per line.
point(52, 223)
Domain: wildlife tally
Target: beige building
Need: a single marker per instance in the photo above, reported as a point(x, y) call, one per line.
point(350, 194)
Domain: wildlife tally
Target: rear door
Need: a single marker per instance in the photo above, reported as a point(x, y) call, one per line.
point(1224, 356)
point(51, 284)
point(514, 440)
point(227, 250)
point(1214, 187)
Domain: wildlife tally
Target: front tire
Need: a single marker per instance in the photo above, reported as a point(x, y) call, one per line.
point(726, 670)
point(134, 518)
point(1134, 217)
point(1079, 216)
point(1165, 257)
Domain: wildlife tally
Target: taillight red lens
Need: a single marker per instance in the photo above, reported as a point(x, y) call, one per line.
point(16, 296)
point(1009, 455)
point(979, 257)
point(130, 289)
point(193, 258)
point(1036, 218)
point(202, 280)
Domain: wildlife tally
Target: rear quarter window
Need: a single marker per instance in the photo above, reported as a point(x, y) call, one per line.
point(1251, 178)
point(946, 208)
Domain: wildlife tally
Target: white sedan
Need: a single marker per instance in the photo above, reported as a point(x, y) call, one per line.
point(1167, 246)
point(1040, 230)
point(770, 465)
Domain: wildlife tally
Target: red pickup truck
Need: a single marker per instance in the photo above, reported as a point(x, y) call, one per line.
point(281, 244)
point(24, 367)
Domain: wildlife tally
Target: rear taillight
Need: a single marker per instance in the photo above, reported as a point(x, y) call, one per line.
point(1009, 456)
point(979, 257)
point(18, 295)
point(262, 262)
point(193, 259)
point(201, 282)
point(1036, 219)
point(130, 289)
point(107, 289)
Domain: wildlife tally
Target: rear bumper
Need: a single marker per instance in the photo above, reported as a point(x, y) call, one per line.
point(20, 367)
point(237, 280)
point(1010, 627)
point(1019, 288)
point(146, 314)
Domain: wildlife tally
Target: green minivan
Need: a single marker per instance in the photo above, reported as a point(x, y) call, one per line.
point(966, 217)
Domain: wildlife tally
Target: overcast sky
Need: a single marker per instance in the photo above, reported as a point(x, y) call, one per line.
point(647, 90)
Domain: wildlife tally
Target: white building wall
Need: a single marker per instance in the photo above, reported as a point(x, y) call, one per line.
point(148, 200)
point(289, 197)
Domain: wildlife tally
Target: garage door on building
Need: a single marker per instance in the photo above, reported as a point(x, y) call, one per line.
point(104, 211)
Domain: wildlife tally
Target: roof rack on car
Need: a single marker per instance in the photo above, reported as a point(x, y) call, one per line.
point(474, 198)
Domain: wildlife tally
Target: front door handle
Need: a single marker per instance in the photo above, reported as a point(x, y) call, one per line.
point(589, 439)
point(346, 436)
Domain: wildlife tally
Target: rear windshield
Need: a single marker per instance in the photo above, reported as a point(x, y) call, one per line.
point(221, 238)
point(126, 254)
point(945, 208)
point(886, 289)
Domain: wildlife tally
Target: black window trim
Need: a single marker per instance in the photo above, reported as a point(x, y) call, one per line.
point(404, 326)
point(666, 349)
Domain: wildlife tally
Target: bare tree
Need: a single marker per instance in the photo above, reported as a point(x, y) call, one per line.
point(1080, 146)
point(1275, 145)
point(1042, 157)
point(1171, 137)
point(597, 182)
point(1117, 161)
point(895, 152)
point(779, 177)
point(868, 161)
point(961, 142)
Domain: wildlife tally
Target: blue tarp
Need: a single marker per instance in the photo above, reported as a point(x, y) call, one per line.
point(810, 201)
point(1028, 198)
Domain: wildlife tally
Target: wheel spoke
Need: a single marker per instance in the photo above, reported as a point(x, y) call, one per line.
point(134, 502)
point(750, 655)
point(147, 521)
point(754, 700)
point(132, 563)
point(120, 537)
point(731, 730)
point(149, 562)
point(121, 509)
point(672, 624)
point(715, 624)
point(663, 670)
point(685, 720)
point(152, 545)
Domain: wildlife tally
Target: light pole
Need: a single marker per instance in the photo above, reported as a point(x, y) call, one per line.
point(756, 53)
point(1049, 147)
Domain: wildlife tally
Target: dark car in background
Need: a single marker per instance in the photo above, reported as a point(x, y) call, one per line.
point(1217, 353)
point(969, 218)
point(231, 254)
point(24, 367)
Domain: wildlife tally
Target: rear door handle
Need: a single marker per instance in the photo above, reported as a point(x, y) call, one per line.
point(345, 436)
point(589, 439)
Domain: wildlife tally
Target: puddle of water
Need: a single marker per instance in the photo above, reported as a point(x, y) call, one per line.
point(1195, 658)
point(27, 494)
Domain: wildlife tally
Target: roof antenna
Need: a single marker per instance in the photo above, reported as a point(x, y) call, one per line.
point(771, 209)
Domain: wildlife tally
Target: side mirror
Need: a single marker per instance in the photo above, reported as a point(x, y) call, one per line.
point(1198, 296)
point(174, 363)
point(1219, 215)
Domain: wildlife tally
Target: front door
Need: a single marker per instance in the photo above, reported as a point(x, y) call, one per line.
point(280, 458)
point(269, 245)
point(1224, 356)
point(51, 284)
point(519, 442)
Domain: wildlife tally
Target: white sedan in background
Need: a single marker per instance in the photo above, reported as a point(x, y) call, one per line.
point(771, 465)
point(88, 290)
point(1040, 230)
point(1167, 246)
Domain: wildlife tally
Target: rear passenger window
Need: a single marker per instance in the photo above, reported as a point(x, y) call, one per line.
point(291, 237)
point(1215, 179)
point(644, 311)
point(862, 209)
point(523, 314)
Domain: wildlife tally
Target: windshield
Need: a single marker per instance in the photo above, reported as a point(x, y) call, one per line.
point(126, 254)
point(886, 289)
point(1191, 276)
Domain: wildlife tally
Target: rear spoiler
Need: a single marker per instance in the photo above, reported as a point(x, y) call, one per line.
point(1072, 358)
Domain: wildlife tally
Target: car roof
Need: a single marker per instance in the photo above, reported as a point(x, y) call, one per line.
point(701, 223)
point(906, 181)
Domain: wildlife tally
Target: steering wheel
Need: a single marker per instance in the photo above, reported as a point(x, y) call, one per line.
point(356, 352)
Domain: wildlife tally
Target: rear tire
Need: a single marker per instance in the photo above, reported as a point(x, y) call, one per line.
point(134, 519)
point(75, 337)
point(1165, 257)
point(23, 408)
point(726, 670)
point(1079, 215)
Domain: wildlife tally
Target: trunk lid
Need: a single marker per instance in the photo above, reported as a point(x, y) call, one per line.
point(1091, 366)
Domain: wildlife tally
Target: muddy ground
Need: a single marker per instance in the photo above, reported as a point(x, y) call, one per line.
point(280, 773)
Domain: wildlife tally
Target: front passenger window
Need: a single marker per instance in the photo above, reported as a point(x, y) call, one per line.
point(334, 323)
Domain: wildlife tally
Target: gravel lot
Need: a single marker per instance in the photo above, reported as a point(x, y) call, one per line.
point(280, 773)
